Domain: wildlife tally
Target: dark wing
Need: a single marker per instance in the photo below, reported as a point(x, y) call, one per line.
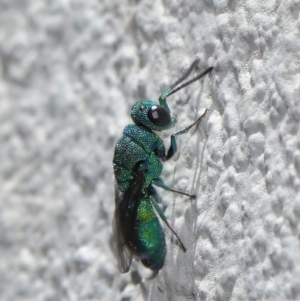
point(124, 220)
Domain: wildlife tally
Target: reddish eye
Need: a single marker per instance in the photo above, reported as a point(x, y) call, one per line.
point(159, 116)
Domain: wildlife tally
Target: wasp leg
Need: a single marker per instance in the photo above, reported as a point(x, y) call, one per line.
point(164, 219)
point(173, 147)
point(152, 191)
point(159, 182)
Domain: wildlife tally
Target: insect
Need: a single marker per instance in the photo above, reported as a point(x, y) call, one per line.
point(137, 167)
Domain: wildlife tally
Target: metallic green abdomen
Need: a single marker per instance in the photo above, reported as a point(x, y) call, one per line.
point(149, 239)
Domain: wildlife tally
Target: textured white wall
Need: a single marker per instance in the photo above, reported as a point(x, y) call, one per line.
point(70, 71)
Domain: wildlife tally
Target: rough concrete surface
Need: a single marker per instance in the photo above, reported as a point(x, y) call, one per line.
point(71, 70)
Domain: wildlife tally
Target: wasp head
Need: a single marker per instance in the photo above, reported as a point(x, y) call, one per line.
point(152, 115)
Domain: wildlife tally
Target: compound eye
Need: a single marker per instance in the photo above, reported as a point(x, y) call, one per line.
point(159, 116)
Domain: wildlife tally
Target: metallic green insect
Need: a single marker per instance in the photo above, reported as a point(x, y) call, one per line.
point(137, 167)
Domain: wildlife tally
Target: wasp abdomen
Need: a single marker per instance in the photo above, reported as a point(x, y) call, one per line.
point(149, 239)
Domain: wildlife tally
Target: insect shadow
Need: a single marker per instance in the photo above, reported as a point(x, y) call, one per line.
point(137, 165)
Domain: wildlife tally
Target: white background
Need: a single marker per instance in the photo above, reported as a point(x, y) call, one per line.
point(71, 70)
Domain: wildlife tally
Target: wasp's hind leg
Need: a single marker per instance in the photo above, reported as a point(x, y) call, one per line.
point(164, 219)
